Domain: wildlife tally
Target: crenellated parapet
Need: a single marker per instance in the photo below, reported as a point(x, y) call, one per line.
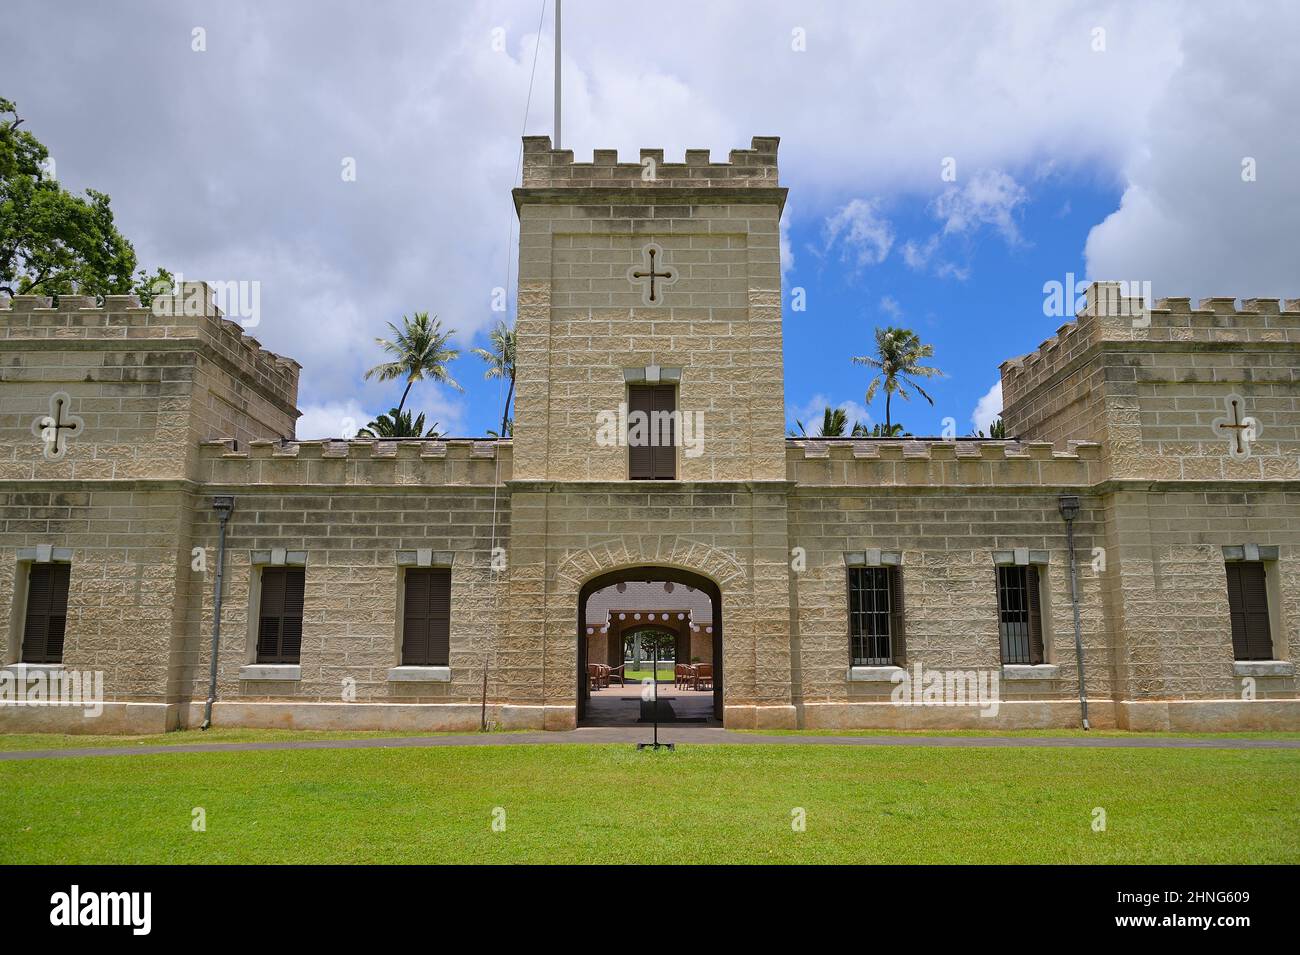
point(1112, 317)
point(938, 463)
point(358, 462)
point(187, 315)
point(547, 168)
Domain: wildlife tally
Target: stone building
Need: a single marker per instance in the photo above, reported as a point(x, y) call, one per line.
point(427, 584)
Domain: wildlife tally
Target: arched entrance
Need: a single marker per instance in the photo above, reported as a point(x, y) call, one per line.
point(677, 600)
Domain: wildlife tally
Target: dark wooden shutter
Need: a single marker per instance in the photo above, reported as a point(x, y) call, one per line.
point(1248, 608)
point(1035, 603)
point(897, 637)
point(651, 459)
point(426, 618)
point(665, 452)
point(47, 613)
point(640, 456)
point(279, 624)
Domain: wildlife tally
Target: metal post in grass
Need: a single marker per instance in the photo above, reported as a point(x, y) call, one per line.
point(654, 679)
point(1069, 505)
point(223, 506)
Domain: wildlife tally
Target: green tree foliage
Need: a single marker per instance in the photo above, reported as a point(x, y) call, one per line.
point(500, 359)
point(398, 424)
point(51, 241)
point(419, 351)
point(897, 363)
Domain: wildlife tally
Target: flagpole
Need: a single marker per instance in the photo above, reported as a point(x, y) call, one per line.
point(557, 74)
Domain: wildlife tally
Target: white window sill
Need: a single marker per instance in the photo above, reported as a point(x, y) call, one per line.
point(22, 669)
point(1262, 668)
point(1036, 671)
point(270, 671)
point(419, 675)
point(874, 674)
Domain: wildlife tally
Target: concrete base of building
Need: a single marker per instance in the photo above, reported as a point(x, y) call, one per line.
point(1008, 715)
point(1209, 716)
point(742, 717)
point(113, 719)
point(393, 717)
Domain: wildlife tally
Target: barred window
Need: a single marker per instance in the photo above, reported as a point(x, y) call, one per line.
point(876, 616)
point(1020, 616)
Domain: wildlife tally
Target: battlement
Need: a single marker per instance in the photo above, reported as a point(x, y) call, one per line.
point(547, 168)
point(934, 462)
point(187, 314)
point(356, 461)
point(1110, 316)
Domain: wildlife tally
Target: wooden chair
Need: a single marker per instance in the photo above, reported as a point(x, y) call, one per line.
point(593, 675)
point(704, 676)
point(681, 675)
point(615, 673)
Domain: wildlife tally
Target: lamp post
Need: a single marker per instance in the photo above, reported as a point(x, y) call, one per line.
point(223, 507)
point(1069, 506)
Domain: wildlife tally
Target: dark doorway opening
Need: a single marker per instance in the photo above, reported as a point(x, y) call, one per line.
point(671, 611)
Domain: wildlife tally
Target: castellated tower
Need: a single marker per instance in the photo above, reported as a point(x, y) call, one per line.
point(650, 286)
point(593, 320)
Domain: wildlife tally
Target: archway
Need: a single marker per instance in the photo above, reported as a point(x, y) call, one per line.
point(666, 599)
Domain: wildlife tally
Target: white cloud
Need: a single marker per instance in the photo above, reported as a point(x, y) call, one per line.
point(331, 419)
point(988, 409)
point(889, 305)
point(863, 235)
point(814, 409)
point(990, 197)
point(1187, 222)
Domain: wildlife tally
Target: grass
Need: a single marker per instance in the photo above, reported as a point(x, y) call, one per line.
point(32, 741)
point(1085, 734)
point(734, 804)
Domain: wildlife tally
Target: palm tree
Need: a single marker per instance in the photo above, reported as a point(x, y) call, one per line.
point(501, 364)
point(997, 429)
point(398, 424)
point(419, 350)
point(834, 422)
point(898, 364)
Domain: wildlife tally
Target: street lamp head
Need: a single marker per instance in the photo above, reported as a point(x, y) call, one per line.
point(223, 506)
point(1069, 505)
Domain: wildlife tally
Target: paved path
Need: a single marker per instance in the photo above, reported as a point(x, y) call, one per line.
point(692, 735)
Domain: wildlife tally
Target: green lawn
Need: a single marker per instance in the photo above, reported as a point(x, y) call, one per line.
point(582, 803)
point(25, 741)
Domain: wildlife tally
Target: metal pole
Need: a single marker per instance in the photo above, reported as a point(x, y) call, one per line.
point(1078, 631)
point(483, 712)
point(654, 675)
point(557, 74)
point(223, 506)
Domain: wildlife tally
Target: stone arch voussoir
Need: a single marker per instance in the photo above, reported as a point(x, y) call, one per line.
point(664, 550)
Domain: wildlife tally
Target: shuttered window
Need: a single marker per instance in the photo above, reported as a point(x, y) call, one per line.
point(279, 622)
point(876, 616)
point(426, 618)
point(652, 447)
point(1248, 607)
point(1020, 615)
point(47, 613)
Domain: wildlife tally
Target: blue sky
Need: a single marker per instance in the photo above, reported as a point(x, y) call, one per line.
point(1101, 138)
point(978, 301)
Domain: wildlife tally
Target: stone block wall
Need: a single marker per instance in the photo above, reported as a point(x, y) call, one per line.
point(352, 508)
